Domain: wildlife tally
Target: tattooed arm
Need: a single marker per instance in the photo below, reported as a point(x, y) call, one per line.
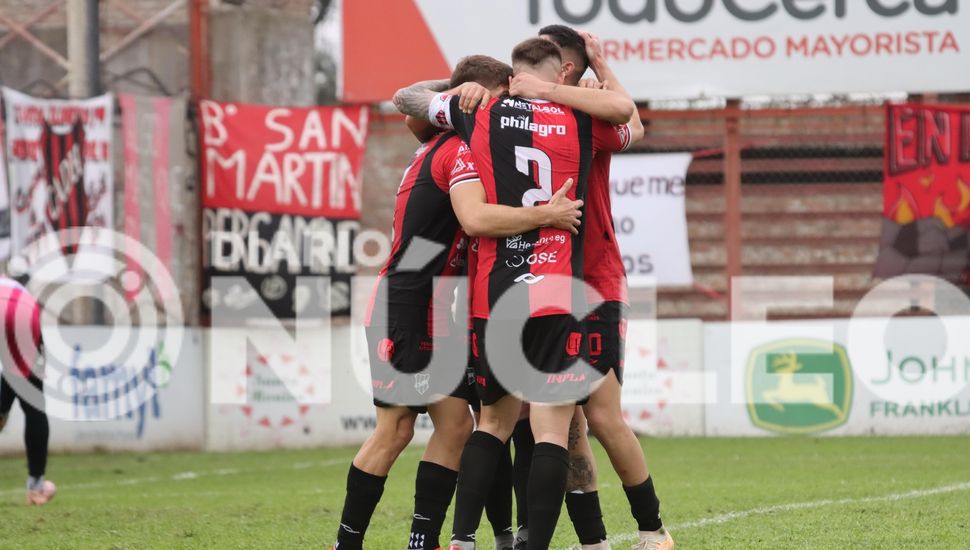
point(416, 98)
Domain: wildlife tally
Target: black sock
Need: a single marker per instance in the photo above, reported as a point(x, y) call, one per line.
point(478, 461)
point(547, 485)
point(36, 433)
point(363, 493)
point(644, 505)
point(584, 512)
point(498, 507)
point(7, 395)
point(524, 447)
point(433, 488)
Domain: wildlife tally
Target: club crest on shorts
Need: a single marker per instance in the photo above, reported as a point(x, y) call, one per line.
point(574, 343)
point(385, 350)
point(422, 382)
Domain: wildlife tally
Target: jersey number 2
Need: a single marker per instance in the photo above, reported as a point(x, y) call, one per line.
point(524, 157)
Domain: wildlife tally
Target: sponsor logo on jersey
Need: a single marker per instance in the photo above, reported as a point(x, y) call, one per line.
point(529, 278)
point(560, 238)
point(522, 123)
point(515, 242)
point(537, 258)
point(534, 107)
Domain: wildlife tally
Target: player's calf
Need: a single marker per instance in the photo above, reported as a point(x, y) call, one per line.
point(437, 475)
point(582, 498)
point(368, 473)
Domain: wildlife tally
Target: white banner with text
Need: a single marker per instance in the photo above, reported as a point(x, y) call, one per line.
point(647, 192)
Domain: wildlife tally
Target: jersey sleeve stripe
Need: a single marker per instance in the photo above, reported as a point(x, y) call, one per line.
point(462, 178)
point(462, 181)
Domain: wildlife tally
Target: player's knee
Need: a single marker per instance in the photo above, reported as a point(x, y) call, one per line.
point(395, 435)
point(403, 434)
point(456, 428)
point(497, 426)
point(603, 421)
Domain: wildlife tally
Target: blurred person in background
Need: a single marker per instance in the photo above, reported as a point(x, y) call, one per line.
point(22, 361)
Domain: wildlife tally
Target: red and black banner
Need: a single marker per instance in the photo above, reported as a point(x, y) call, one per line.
point(281, 192)
point(926, 192)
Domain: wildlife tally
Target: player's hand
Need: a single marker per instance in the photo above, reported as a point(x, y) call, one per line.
point(528, 86)
point(594, 47)
point(564, 213)
point(471, 95)
point(591, 83)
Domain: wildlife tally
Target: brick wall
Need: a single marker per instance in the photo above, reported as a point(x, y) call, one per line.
point(811, 203)
point(126, 13)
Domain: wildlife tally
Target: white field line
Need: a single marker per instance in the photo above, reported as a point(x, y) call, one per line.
point(780, 508)
point(188, 476)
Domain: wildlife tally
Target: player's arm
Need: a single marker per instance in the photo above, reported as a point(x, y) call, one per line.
point(481, 219)
point(421, 128)
point(604, 73)
point(410, 99)
point(607, 105)
point(416, 99)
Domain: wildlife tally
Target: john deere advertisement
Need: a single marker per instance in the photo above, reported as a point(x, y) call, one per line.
point(825, 377)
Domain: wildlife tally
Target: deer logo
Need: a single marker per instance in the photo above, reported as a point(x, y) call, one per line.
point(789, 391)
point(799, 386)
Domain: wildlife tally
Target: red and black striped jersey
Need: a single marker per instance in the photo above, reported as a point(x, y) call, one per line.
point(21, 328)
point(604, 269)
point(63, 176)
point(427, 241)
point(525, 150)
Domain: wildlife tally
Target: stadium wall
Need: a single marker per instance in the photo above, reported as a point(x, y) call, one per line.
point(157, 406)
point(682, 378)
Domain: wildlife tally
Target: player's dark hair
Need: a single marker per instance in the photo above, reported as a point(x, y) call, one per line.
point(568, 39)
point(534, 51)
point(485, 70)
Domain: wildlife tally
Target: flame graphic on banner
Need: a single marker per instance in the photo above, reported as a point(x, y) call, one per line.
point(906, 208)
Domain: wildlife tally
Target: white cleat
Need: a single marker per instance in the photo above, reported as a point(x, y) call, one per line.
point(604, 545)
point(42, 496)
point(654, 540)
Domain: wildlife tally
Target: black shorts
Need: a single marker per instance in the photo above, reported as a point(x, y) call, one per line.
point(606, 338)
point(550, 344)
point(409, 351)
point(473, 400)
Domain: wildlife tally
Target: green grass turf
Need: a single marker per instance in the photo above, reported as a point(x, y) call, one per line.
point(292, 499)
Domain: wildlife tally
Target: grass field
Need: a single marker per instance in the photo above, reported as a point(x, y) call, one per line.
point(716, 493)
